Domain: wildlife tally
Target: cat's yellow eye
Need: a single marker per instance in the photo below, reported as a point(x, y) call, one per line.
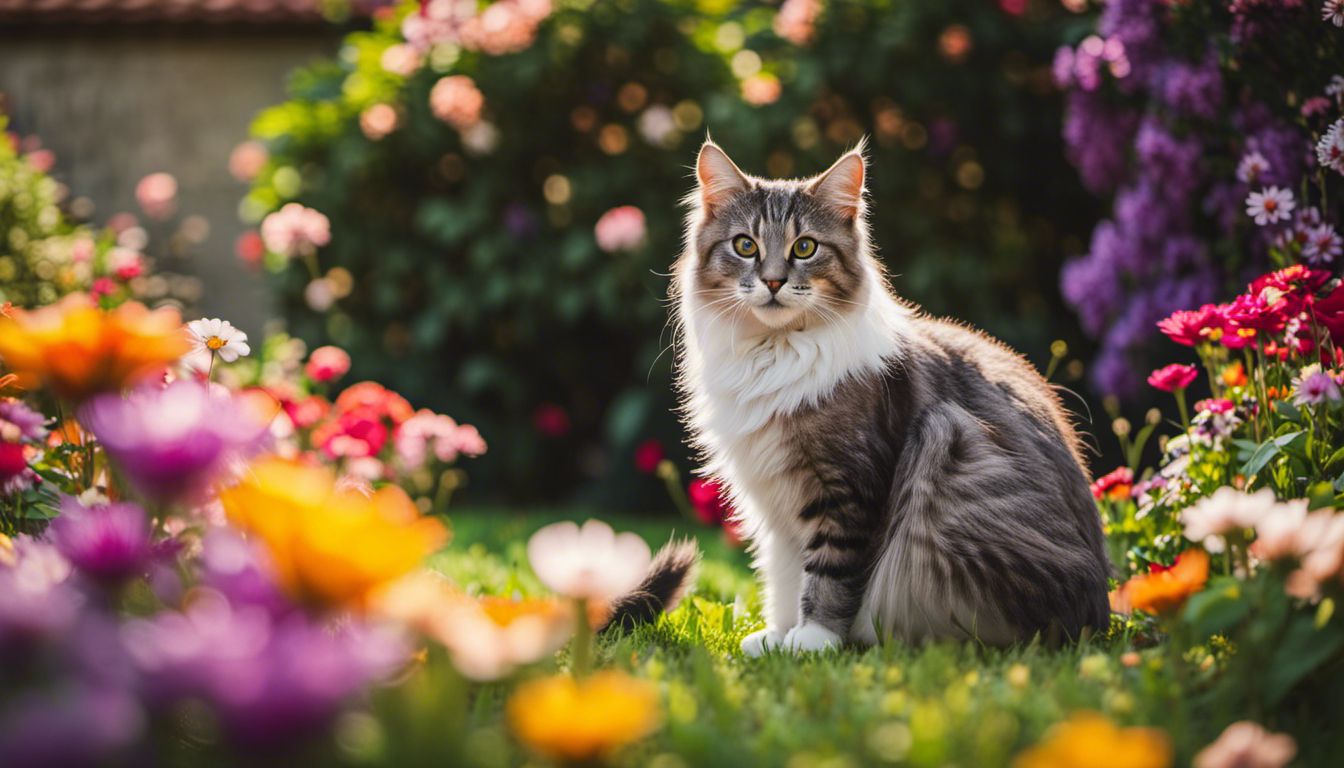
point(744, 246)
point(804, 248)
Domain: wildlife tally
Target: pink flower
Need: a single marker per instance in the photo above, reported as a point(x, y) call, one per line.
point(620, 229)
point(41, 160)
point(247, 159)
point(504, 26)
point(157, 195)
point(103, 286)
point(295, 230)
point(1192, 327)
point(1247, 312)
point(1247, 745)
point(1115, 485)
point(401, 59)
point(457, 101)
point(1229, 510)
point(551, 420)
point(761, 89)
point(355, 434)
point(1270, 204)
point(428, 433)
point(327, 364)
point(1253, 165)
point(378, 121)
point(648, 455)
point(249, 248)
point(797, 20)
point(1173, 377)
point(1315, 387)
point(125, 263)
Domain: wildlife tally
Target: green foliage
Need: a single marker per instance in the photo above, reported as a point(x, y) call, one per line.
point(477, 294)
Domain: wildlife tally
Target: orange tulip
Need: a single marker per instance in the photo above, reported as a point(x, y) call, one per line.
point(1165, 591)
point(79, 350)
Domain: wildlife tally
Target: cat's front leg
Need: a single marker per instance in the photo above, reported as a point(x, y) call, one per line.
point(836, 565)
point(779, 561)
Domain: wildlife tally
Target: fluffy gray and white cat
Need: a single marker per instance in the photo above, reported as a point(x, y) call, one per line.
point(896, 474)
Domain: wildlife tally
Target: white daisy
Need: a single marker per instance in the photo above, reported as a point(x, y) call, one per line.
point(1333, 12)
point(592, 562)
point(1253, 165)
point(1322, 245)
point(219, 337)
point(1330, 149)
point(1269, 205)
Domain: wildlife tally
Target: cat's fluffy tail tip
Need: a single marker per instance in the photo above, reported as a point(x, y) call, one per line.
point(670, 577)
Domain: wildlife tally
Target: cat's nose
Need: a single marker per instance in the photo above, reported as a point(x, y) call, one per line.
point(774, 285)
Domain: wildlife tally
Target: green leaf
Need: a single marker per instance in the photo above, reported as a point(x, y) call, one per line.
point(1219, 608)
point(1266, 451)
point(1299, 652)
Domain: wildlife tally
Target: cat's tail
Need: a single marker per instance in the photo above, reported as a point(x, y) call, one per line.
point(670, 575)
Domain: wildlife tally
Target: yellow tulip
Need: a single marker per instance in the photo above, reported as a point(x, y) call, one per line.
point(1089, 740)
point(579, 720)
point(330, 545)
point(79, 349)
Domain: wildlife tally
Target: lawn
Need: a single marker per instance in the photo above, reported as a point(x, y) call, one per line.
point(944, 704)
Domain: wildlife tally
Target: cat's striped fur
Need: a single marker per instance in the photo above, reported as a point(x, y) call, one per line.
point(897, 475)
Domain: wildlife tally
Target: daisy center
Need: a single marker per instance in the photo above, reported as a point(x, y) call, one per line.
point(214, 342)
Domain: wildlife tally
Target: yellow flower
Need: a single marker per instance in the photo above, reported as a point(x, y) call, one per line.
point(329, 544)
point(565, 719)
point(79, 350)
point(1165, 590)
point(1089, 740)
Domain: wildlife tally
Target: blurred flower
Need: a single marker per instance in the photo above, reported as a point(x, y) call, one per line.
point(551, 420)
point(19, 424)
point(761, 88)
point(271, 679)
point(1314, 387)
point(401, 59)
point(77, 725)
point(36, 598)
point(1173, 377)
point(648, 455)
point(797, 20)
point(172, 443)
point(157, 195)
point(583, 720)
point(593, 562)
point(247, 159)
point(79, 350)
point(1322, 246)
point(319, 295)
point(481, 138)
point(377, 121)
point(328, 544)
point(250, 248)
point(707, 498)
point(218, 337)
point(1226, 511)
point(457, 101)
point(295, 230)
point(1269, 205)
point(1252, 166)
point(1333, 12)
point(109, 543)
point(620, 229)
point(1234, 375)
point(125, 263)
point(504, 26)
point(428, 433)
point(1088, 740)
point(1165, 591)
point(327, 364)
point(657, 125)
point(370, 395)
point(1247, 745)
point(1330, 149)
point(1115, 485)
point(353, 434)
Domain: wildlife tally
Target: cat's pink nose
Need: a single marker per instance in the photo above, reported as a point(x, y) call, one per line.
point(774, 285)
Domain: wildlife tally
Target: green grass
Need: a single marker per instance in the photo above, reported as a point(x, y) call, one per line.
point(946, 704)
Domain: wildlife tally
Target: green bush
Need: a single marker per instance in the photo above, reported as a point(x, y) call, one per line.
point(471, 279)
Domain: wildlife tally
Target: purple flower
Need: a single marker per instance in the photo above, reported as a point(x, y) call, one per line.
point(19, 422)
point(271, 680)
point(36, 598)
point(1192, 89)
point(72, 726)
point(108, 543)
point(1098, 138)
point(239, 570)
point(173, 442)
point(1315, 387)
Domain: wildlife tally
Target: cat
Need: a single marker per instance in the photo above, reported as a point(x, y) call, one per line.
point(896, 474)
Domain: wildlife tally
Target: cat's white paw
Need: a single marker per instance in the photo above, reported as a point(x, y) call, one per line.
point(811, 636)
point(760, 641)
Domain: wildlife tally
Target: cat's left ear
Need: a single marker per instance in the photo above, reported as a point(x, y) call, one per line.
point(841, 186)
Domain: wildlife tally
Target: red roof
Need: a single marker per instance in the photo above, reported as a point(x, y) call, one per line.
point(161, 11)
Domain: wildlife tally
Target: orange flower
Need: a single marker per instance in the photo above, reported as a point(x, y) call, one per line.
point(79, 350)
point(1234, 375)
point(1164, 591)
point(330, 544)
point(583, 720)
point(1089, 740)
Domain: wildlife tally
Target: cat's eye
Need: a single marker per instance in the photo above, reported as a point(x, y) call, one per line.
point(744, 246)
point(804, 248)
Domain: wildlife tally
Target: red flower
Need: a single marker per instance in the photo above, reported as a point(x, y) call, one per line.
point(355, 434)
point(1114, 485)
point(551, 420)
point(327, 364)
point(306, 412)
point(1257, 313)
point(707, 498)
point(648, 455)
point(1191, 327)
point(1173, 377)
point(372, 396)
point(1216, 405)
point(1297, 279)
point(1329, 312)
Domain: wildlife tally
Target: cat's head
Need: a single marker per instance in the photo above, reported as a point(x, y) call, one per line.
point(777, 253)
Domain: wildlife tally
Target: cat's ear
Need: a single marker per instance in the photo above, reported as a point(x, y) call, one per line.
point(841, 186)
point(720, 178)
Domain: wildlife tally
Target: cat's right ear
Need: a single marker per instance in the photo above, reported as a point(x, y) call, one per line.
point(720, 178)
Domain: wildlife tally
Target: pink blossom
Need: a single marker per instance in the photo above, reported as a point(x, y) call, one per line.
point(1229, 510)
point(327, 364)
point(247, 159)
point(1247, 745)
point(1192, 327)
point(620, 229)
point(295, 230)
point(504, 26)
point(41, 160)
point(428, 433)
point(457, 101)
point(797, 20)
point(157, 195)
point(1173, 377)
point(378, 121)
point(761, 89)
point(401, 59)
point(648, 455)
point(125, 263)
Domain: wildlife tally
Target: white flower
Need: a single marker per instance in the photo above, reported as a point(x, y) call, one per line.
point(1314, 386)
point(1330, 149)
point(1226, 511)
point(592, 562)
point(1322, 245)
point(1335, 89)
point(219, 337)
point(1333, 12)
point(1253, 165)
point(1269, 205)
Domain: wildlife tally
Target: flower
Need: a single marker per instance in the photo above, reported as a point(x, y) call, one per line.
point(1253, 165)
point(761, 88)
point(82, 724)
point(295, 230)
point(1330, 149)
point(1234, 375)
point(215, 336)
point(620, 229)
point(1247, 745)
point(1165, 591)
point(1173, 377)
point(593, 562)
point(172, 443)
point(107, 542)
point(18, 424)
point(157, 195)
point(1115, 485)
point(400, 59)
point(1193, 327)
point(378, 120)
point(504, 26)
point(457, 101)
point(797, 20)
point(1322, 246)
point(648, 455)
point(1314, 387)
point(428, 433)
point(551, 420)
point(80, 350)
point(330, 545)
point(374, 397)
point(327, 364)
point(247, 159)
point(1269, 205)
point(1226, 511)
point(1088, 740)
point(583, 720)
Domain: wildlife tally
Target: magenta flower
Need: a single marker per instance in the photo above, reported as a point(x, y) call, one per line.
point(157, 195)
point(620, 229)
point(1173, 377)
point(172, 443)
point(1315, 387)
point(295, 230)
point(108, 542)
point(1193, 327)
point(19, 424)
